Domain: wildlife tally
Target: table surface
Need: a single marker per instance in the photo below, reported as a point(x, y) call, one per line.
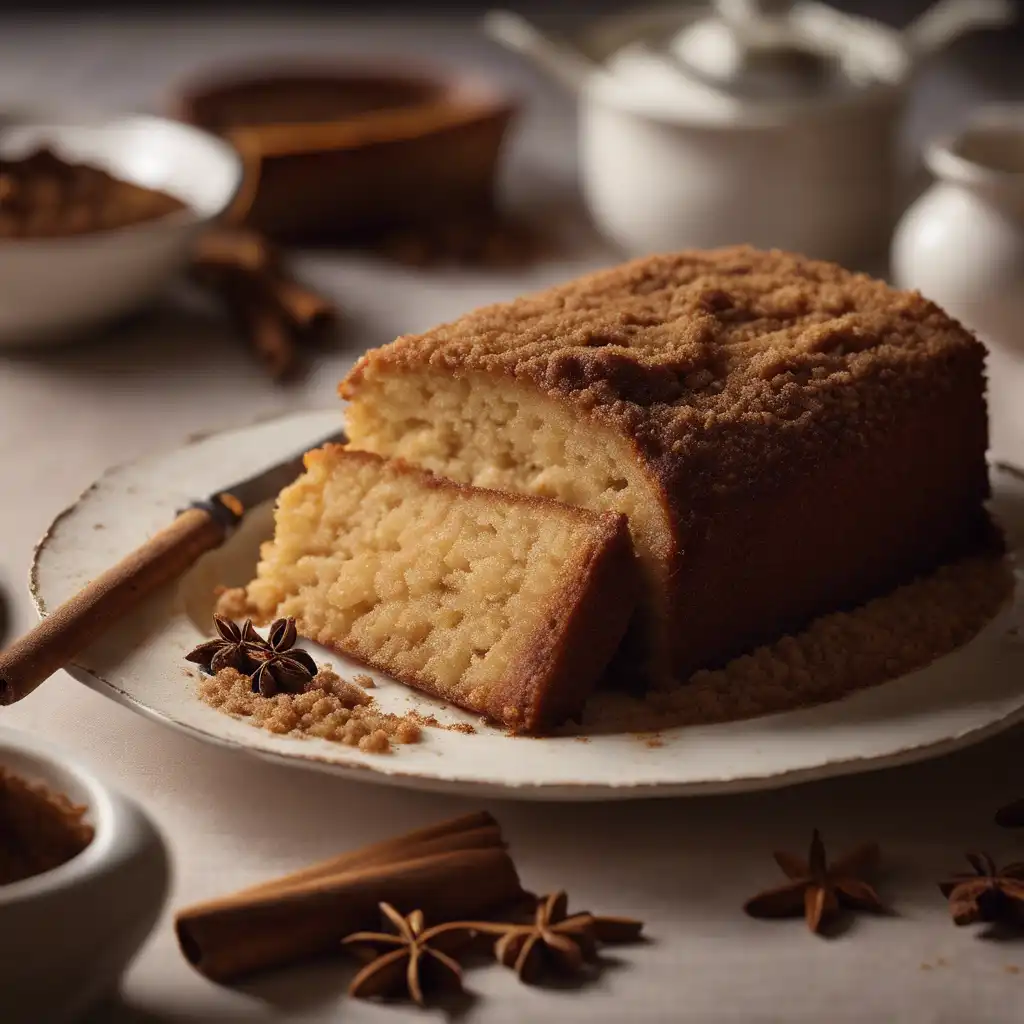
point(684, 866)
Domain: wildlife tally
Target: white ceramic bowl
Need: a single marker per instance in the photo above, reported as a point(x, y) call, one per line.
point(52, 288)
point(67, 935)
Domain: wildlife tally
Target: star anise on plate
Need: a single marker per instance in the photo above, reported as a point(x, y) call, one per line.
point(1012, 815)
point(284, 668)
point(237, 647)
point(988, 893)
point(554, 940)
point(409, 960)
point(817, 889)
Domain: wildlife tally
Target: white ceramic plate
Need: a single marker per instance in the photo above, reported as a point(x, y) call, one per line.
point(957, 701)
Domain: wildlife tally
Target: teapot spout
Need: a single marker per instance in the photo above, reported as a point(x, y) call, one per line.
point(560, 61)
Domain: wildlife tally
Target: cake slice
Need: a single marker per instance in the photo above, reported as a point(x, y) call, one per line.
point(507, 605)
point(786, 438)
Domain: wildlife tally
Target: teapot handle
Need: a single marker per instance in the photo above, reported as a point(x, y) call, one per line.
point(947, 20)
point(562, 62)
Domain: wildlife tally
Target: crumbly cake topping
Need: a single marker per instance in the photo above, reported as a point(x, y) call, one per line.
point(731, 352)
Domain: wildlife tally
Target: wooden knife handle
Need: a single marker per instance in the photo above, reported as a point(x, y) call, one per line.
point(69, 629)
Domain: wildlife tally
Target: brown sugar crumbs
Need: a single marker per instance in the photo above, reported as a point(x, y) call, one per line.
point(836, 655)
point(333, 708)
point(232, 603)
point(466, 728)
point(39, 829)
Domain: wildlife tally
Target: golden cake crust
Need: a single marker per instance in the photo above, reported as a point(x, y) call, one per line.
point(717, 362)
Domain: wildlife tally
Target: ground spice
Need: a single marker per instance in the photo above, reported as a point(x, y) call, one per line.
point(39, 829)
point(333, 709)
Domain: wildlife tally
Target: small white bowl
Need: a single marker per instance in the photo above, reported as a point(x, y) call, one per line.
point(51, 288)
point(67, 935)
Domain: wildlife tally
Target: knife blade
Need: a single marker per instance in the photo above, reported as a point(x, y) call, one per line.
point(230, 504)
point(204, 525)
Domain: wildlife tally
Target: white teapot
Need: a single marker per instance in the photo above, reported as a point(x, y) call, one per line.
point(771, 122)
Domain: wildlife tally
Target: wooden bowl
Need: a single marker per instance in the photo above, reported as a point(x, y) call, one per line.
point(335, 156)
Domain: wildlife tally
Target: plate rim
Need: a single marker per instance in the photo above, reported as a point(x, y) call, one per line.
point(752, 780)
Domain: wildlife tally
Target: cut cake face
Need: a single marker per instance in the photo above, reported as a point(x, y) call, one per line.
point(502, 604)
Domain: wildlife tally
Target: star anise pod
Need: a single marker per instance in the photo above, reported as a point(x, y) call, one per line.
point(283, 667)
point(1012, 815)
point(818, 890)
point(240, 648)
point(988, 894)
point(409, 960)
point(554, 940)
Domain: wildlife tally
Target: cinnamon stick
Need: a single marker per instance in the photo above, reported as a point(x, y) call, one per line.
point(71, 627)
point(459, 869)
point(233, 249)
point(260, 320)
point(233, 253)
point(471, 832)
point(306, 309)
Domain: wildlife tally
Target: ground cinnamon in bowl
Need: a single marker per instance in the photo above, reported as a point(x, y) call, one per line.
point(44, 196)
point(39, 828)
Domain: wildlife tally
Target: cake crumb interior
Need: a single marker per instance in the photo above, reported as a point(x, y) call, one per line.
point(516, 440)
point(443, 586)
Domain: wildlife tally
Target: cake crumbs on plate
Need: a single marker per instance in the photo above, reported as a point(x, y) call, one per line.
point(333, 708)
point(836, 655)
point(432, 722)
point(232, 603)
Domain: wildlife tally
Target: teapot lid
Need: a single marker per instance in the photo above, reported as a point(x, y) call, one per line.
point(755, 50)
point(734, 62)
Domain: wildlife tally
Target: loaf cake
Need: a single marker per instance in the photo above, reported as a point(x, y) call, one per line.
point(785, 437)
point(507, 605)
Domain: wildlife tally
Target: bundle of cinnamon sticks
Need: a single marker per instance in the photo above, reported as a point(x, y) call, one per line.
point(273, 311)
point(457, 869)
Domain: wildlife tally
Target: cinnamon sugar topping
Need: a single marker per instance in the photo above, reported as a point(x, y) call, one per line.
point(725, 359)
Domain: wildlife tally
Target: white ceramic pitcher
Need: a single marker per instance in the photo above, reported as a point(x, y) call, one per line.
point(962, 245)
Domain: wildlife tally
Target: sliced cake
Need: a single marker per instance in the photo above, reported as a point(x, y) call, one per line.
point(786, 438)
point(506, 605)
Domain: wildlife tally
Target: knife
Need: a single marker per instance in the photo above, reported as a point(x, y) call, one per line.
point(204, 525)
